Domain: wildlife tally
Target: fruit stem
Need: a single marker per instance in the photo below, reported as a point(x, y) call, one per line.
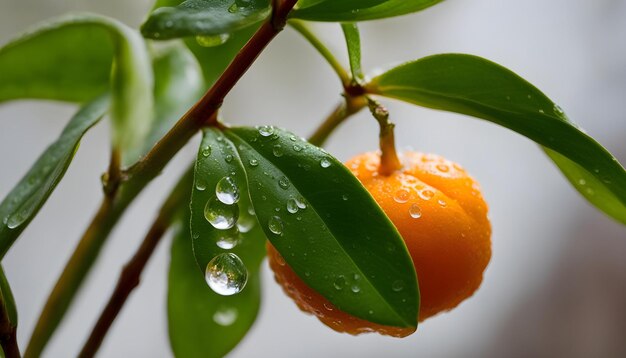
point(389, 161)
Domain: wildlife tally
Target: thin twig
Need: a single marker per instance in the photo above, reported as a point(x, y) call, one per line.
point(130, 276)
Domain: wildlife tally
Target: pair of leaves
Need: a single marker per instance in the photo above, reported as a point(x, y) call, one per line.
point(316, 214)
point(477, 87)
point(175, 19)
point(45, 64)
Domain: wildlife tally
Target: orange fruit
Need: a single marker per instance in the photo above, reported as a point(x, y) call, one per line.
point(442, 217)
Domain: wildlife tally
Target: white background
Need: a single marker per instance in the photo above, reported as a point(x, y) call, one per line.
point(556, 284)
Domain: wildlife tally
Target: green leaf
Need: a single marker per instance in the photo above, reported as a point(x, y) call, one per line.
point(23, 202)
point(204, 17)
point(474, 86)
point(7, 302)
point(360, 10)
point(327, 226)
point(45, 64)
point(200, 320)
point(178, 84)
point(202, 323)
point(353, 41)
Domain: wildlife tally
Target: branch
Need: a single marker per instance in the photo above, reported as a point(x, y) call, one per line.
point(130, 276)
point(135, 180)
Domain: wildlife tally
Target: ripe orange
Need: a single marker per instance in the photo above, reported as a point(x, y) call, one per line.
point(442, 217)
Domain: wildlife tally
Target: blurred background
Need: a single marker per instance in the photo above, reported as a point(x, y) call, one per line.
point(556, 285)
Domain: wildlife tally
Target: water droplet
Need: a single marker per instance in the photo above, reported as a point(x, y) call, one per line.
point(297, 148)
point(344, 197)
point(16, 219)
point(227, 191)
point(212, 40)
point(590, 191)
point(325, 163)
point(340, 282)
point(246, 223)
point(228, 240)
point(292, 206)
point(582, 182)
point(558, 110)
point(542, 111)
point(442, 203)
point(266, 131)
point(253, 162)
point(443, 168)
point(275, 224)
point(206, 151)
point(229, 158)
point(277, 151)
point(225, 316)
point(415, 211)
point(397, 285)
point(426, 194)
point(328, 306)
point(169, 23)
point(226, 274)
point(402, 196)
point(283, 182)
point(355, 288)
point(220, 215)
point(200, 185)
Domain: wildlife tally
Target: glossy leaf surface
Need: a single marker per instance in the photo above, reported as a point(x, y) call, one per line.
point(477, 87)
point(355, 10)
point(327, 226)
point(202, 323)
point(204, 17)
point(44, 64)
point(353, 42)
point(23, 202)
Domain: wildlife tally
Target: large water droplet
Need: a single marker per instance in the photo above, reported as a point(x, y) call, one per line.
point(266, 131)
point(228, 240)
point(301, 203)
point(226, 274)
point(212, 40)
point(325, 163)
point(225, 316)
point(355, 288)
point(246, 223)
point(415, 211)
point(200, 185)
point(220, 215)
point(227, 191)
point(275, 224)
point(16, 219)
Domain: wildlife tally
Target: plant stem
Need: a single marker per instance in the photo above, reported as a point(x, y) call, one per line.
point(130, 276)
point(135, 180)
point(8, 321)
point(345, 109)
point(389, 161)
point(304, 30)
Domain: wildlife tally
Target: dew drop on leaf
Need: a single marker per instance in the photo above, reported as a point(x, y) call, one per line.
point(220, 215)
point(275, 225)
point(227, 191)
point(340, 282)
point(325, 163)
point(212, 40)
point(206, 151)
point(266, 131)
point(253, 162)
point(277, 151)
point(228, 240)
point(226, 274)
point(292, 206)
point(397, 286)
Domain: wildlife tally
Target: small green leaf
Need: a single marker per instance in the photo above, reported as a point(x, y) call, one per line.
point(45, 64)
point(23, 202)
point(360, 10)
point(327, 226)
point(353, 41)
point(178, 84)
point(8, 308)
point(204, 17)
point(202, 323)
point(474, 86)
